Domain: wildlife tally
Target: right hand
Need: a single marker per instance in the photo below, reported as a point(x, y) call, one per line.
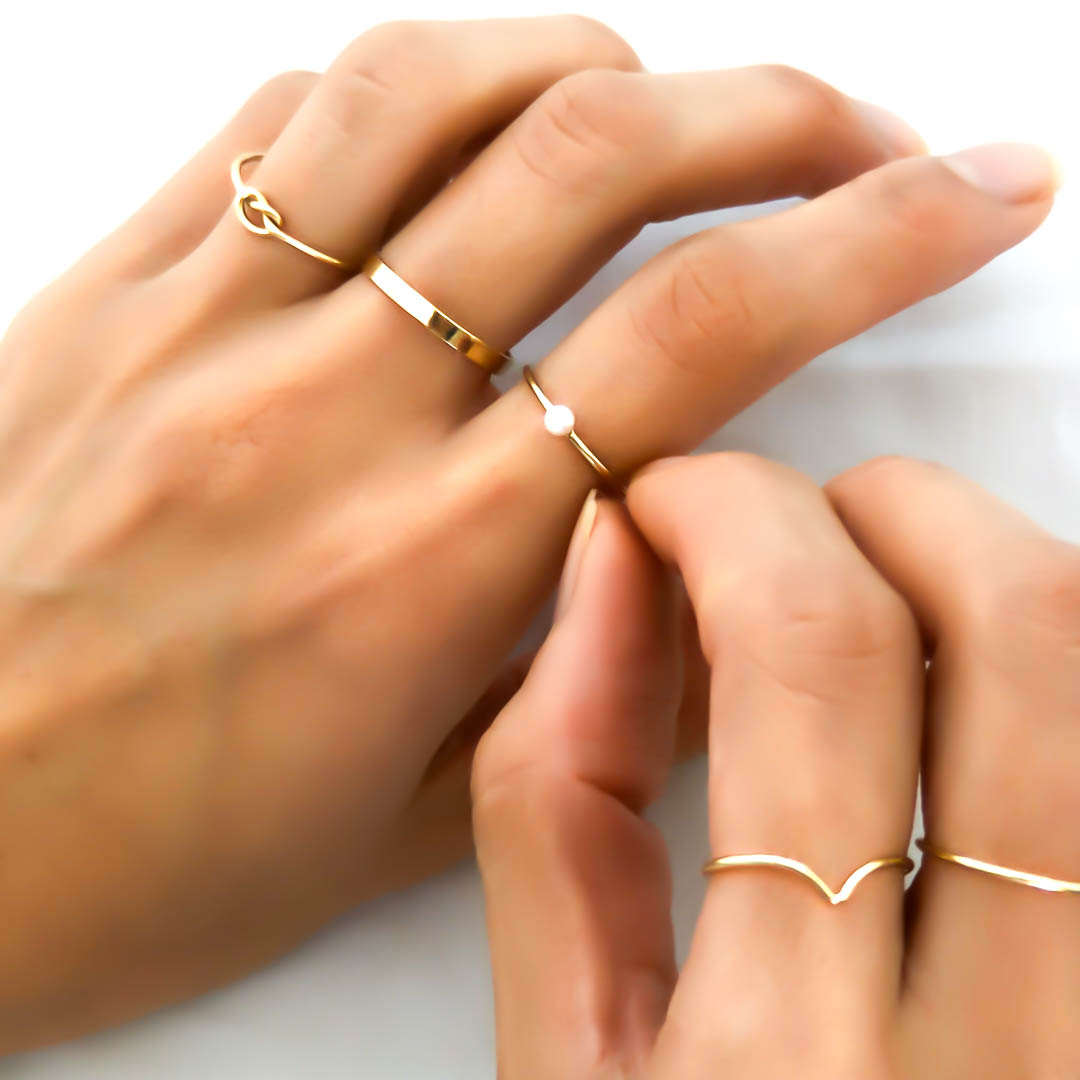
point(809, 606)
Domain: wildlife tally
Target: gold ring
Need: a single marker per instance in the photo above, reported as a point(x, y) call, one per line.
point(251, 198)
point(438, 322)
point(1017, 877)
point(560, 420)
point(781, 862)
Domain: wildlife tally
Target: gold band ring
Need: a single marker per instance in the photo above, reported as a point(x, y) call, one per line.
point(438, 322)
point(251, 198)
point(1017, 877)
point(781, 862)
point(560, 420)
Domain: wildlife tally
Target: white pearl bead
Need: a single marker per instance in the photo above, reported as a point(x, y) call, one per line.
point(559, 419)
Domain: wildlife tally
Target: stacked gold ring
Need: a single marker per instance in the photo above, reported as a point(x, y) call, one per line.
point(560, 420)
point(250, 199)
point(782, 862)
point(428, 315)
point(1017, 877)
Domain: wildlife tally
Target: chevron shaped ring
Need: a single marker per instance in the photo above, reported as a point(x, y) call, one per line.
point(781, 862)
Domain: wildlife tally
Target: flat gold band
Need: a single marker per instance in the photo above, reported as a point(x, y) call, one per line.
point(438, 322)
point(781, 862)
point(560, 420)
point(251, 198)
point(1017, 877)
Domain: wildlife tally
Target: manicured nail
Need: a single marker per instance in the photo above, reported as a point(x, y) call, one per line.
point(900, 136)
point(1012, 172)
point(575, 554)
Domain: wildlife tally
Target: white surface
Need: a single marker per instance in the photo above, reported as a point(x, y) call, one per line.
point(103, 101)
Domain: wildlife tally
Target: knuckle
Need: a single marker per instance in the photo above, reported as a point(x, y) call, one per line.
point(283, 93)
point(1036, 599)
point(575, 133)
point(814, 102)
point(390, 62)
point(503, 785)
point(882, 472)
point(602, 41)
point(910, 208)
point(588, 28)
point(803, 619)
point(700, 299)
point(742, 476)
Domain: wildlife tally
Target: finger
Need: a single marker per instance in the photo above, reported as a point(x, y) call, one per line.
point(1000, 601)
point(601, 152)
point(576, 880)
point(813, 747)
point(712, 322)
point(388, 119)
point(179, 216)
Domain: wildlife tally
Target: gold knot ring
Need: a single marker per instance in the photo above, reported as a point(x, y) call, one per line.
point(251, 198)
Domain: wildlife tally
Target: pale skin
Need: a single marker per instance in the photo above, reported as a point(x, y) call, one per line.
point(268, 544)
point(815, 610)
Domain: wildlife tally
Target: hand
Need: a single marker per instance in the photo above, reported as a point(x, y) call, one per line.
point(804, 601)
point(267, 541)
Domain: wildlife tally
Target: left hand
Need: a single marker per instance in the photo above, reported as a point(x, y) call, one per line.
point(267, 541)
point(805, 603)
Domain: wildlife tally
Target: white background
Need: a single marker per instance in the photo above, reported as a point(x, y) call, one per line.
point(102, 101)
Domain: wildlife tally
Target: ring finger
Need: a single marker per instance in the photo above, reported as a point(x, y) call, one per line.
point(387, 121)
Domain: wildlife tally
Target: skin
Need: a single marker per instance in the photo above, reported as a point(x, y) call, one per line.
point(815, 609)
point(267, 545)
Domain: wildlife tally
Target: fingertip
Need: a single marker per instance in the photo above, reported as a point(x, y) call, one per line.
point(1008, 171)
point(648, 471)
point(877, 475)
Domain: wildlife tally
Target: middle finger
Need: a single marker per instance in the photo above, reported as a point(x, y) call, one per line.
point(599, 154)
point(712, 322)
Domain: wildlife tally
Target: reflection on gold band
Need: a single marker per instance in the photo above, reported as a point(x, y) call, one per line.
point(1017, 877)
point(781, 862)
point(438, 322)
point(560, 420)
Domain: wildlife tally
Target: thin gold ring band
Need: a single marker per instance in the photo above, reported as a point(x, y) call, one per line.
point(1017, 877)
point(560, 420)
point(251, 198)
point(438, 322)
point(782, 862)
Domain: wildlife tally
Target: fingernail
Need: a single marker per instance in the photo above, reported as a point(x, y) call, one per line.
point(900, 136)
point(576, 552)
point(1012, 172)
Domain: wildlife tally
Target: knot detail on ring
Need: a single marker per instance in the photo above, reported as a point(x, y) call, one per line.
point(782, 862)
point(249, 198)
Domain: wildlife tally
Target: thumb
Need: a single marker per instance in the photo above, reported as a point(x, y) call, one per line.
point(576, 880)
